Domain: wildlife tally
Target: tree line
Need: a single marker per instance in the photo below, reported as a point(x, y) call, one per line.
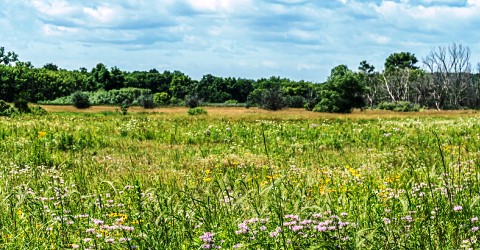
point(444, 79)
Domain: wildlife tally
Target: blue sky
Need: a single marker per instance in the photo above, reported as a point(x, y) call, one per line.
point(298, 39)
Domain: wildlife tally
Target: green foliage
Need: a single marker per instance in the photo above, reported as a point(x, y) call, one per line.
point(80, 100)
point(161, 98)
point(233, 102)
point(197, 111)
point(124, 109)
point(402, 60)
point(271, 98)
point(296, 101)
point(146, 101)
point(21, 105)
point(38, 111)
point(399, 106)
point(7, 58)
point(342, 92)
point(6, 109)
point(193, 101)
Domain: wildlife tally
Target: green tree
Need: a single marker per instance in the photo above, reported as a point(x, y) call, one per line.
point(80, 100)
point(370, 79)
point(7, 57)
point(402, 60)
point(268, 94)
point(341, 93)
point(50, 66)
point(161, 98)
point(117, 79)
point(100, 77)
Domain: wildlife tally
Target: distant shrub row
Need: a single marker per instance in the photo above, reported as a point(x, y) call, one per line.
point(399, 106)
point(20, 106)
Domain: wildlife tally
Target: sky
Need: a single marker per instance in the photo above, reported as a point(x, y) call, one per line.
point(296, 39)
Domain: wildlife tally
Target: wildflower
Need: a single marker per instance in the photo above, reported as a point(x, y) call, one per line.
point(207, 237)
point(97, 222)
point(86, 240)
point(292, 216)
point(474, 229)
point(474, 219)
point(263, 228)
point(457, 208)
point(239, 245)
point(75, 246)
point(306, 222)
point(296, 228)
point(41, 134)
point(242, 228)
point(273, 234)
point(127, 228)
point(386, 221)
point(320, 228)
point(109, 240)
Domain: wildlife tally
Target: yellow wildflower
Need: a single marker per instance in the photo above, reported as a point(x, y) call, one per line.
point(41, 134)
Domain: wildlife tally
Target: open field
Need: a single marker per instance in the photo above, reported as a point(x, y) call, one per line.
point(286, 114)
point(239, 178)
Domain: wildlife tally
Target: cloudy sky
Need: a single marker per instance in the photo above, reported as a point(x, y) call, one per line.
point(298, 39)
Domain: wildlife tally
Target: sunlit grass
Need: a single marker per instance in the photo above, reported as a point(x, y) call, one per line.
point(239, 178)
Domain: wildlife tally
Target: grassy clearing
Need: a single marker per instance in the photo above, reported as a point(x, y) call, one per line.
point(239, 178)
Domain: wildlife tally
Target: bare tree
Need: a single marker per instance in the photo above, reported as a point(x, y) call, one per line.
point(450, 75)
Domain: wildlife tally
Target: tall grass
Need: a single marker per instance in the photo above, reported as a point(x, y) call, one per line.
point(158, 181)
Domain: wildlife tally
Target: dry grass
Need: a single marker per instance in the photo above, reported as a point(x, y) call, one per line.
point(286, 114)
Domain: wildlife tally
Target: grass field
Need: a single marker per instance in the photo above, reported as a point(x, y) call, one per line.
point(239, 179)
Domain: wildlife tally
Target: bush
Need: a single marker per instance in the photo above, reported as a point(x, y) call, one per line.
point(229, 102)
point(296, 101)
point(147, 101)
point(192, 101)
point(81, 100)
point(21, 105)
point(341, 93)
point(399, 106)
point(6, 109)
point(197, 111)
point(37, 110)
point(161, 98)
point(270, 99)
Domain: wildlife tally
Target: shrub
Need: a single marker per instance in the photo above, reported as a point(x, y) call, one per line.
point(21, 105)
point(296, 101)
point(6, 109)
point(197, 111)
point(192, 101)
point(37, 110)
point(80, 100)
point(341, 93)
point(161, 98)
point(231, 102)
point(399, 106)
point(270, 99)
point(146, 101)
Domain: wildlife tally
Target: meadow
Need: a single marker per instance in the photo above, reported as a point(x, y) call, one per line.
point(239, 178)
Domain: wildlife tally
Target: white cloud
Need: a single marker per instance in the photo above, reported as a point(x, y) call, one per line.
point(218, 5)
point(103, 14)
point(301, 39)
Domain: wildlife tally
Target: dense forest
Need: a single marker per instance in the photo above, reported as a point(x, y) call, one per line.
point(444, 79)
